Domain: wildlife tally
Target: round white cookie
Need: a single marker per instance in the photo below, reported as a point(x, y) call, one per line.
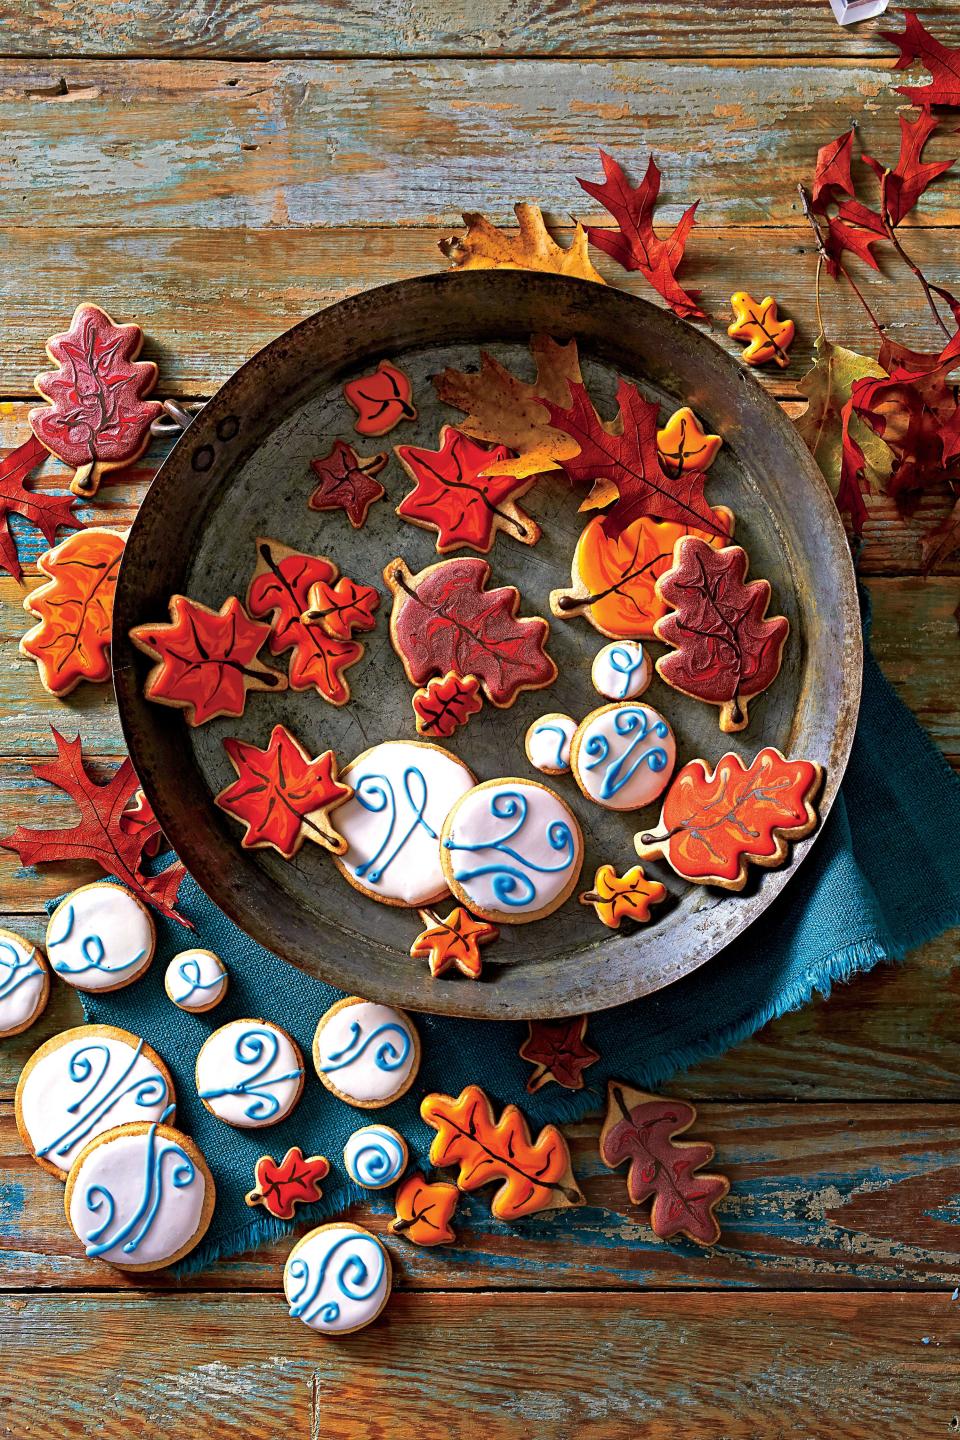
point(623, 755)
point(511, 850)
point(24, 983)
point(82, 1083)
point(139, 1197)
point(100, 938)
point(403, 790)
point(337, 1278)
point(196, 980)
point(249, 1073)
point(621, 671)
point(367, 1054)
point(375, 1156)
point(547, 743)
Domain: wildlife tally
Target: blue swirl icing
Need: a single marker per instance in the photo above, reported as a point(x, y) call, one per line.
point(560, 763)
point(626, 663)
point(16, 969)
point(92, 949)
point(513, 885)
point(389, 1055)
point(623, 766)
point(377, 1160)
point(257, 1048)
point(189, 970)
point(130, 1235)
point(376, 794)
point(147, 1092)
point(355, 1280)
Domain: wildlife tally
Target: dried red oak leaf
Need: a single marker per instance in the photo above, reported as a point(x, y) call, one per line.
point(621, 459)
point(443, 619)
point(206, 660)
point(102, 834)
point(280, 1186)
point(424, 1210)
point(453, 496)
point(48, 512)
point(282, 796)
point(97, 417)
point(832, 177)
point(727, 650)
point(635, 244)
point(446, 703)
point(557, 1050)
point(640, 1128)
point(346, 482)
point(942, 61)
point(454, 941)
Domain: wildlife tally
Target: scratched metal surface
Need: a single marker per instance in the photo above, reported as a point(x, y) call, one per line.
point(289, 407)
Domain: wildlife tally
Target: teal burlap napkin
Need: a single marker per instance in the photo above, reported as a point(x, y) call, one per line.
point(883, 877)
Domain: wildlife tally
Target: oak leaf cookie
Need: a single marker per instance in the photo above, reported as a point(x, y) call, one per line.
point(74, 610)
point(140, 1196)
point(366, 1054)
point(82, 1083)
point(24, 984)
point(511, 850)
point(249, 1073)
point(454, 495)
point(100, 937)
point(337, 1278)
point(623, 755)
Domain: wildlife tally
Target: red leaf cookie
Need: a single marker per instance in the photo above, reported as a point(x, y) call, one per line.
point(639, 1128)
point(714, 822)
point(280, 1186)
point(443, 619)
point(283, 797)
point(453, 496)
point(446, 703)
point(558, 1052)
point(75, 611)
point(97, 417)
point(346, 482)
point(727, 650)
point(381, 400)
point(454, 941)
point(280, 589)
point(48, 512)
point(206, 659)
point(424, 1210)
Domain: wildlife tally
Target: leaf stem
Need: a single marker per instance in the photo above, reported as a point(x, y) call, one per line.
point(830, 260)
point(911, 265)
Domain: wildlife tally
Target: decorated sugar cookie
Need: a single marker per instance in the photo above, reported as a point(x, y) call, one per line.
point(375, 1156)
point(366, 1054)
point(100, 938)
point(547, 743)
point(767, 337)
point(280, 1186)
point(622, 756)
point(346, 482)
point(83, 1082)
point(684, 445)
point(445, 703)
point(381, 400)
point(196, 980)
point(24, 984)
point(454, 495)
point(140, 1197)
point(250, 1073)
point(282, 796)
point(453, 942)
point(74, 610)
point(621, 671)
point(511, 850)
point(616, 898)
point(402, 792)
point(424, 1211)
point(337, 1278)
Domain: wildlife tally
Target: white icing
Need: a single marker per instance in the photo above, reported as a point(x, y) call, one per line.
point(88, 1084)
point(375, 1156)
point(391, 854)
point(119, 1181)
point(625, 755)
point(366, 1052)
point(22, 982)
point(337, 1278)
point(621, 671)
point(259, 1069)
point(513, 847)
point(196, 980)
point(548, 751)
point(100, 938)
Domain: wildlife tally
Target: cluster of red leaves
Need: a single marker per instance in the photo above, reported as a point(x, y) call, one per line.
point(48, 512)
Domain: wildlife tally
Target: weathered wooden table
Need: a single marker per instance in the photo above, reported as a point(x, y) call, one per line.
point(219, 169)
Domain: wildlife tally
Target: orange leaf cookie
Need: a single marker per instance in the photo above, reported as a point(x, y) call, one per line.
point(623, 897)
point(75, 610)
point(280, 1186)
point(342, 608)
point(716, 821)
point(446, 702)
point(684, 445)
point(768, 337)
point(424, 1210)
point(283, 797)
point(381, 400)
point(534, 1175)
point(454, 941)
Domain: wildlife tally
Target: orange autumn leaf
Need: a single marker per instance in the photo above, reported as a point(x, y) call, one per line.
point(769, 337)
point(614, 580)
point(623, 897)
point(75, 610)
point(533, 1175)
point(454, 941)
point(683, 444)
point(485, 247)
point(424, 1211)
point(714, 822)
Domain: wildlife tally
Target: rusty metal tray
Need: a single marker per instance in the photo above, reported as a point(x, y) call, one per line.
point(241, 470)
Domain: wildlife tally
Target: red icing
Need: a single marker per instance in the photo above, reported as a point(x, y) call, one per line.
point(281, 796)
point(282, 1185)
point(446, 703)
point(453, 496)
point(346, 482)
point(381, 400)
